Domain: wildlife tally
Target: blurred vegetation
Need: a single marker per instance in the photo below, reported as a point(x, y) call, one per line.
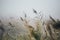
point(19, 29)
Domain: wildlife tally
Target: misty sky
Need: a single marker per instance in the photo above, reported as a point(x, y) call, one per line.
point(17, 8)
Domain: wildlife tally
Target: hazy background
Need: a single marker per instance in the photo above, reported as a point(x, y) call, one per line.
point(16, 8)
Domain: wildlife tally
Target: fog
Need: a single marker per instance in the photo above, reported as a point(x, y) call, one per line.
point(17, 8)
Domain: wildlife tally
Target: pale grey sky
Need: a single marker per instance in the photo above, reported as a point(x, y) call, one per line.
point(18, 7)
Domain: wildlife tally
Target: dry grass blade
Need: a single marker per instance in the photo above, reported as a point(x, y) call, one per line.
point(34, 11)
point(11, 24)
point(52, 19)
point(25, 15)
point(57, 25)
point(21, 18)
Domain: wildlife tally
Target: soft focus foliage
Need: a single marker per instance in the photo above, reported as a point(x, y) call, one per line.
point(29, 29)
